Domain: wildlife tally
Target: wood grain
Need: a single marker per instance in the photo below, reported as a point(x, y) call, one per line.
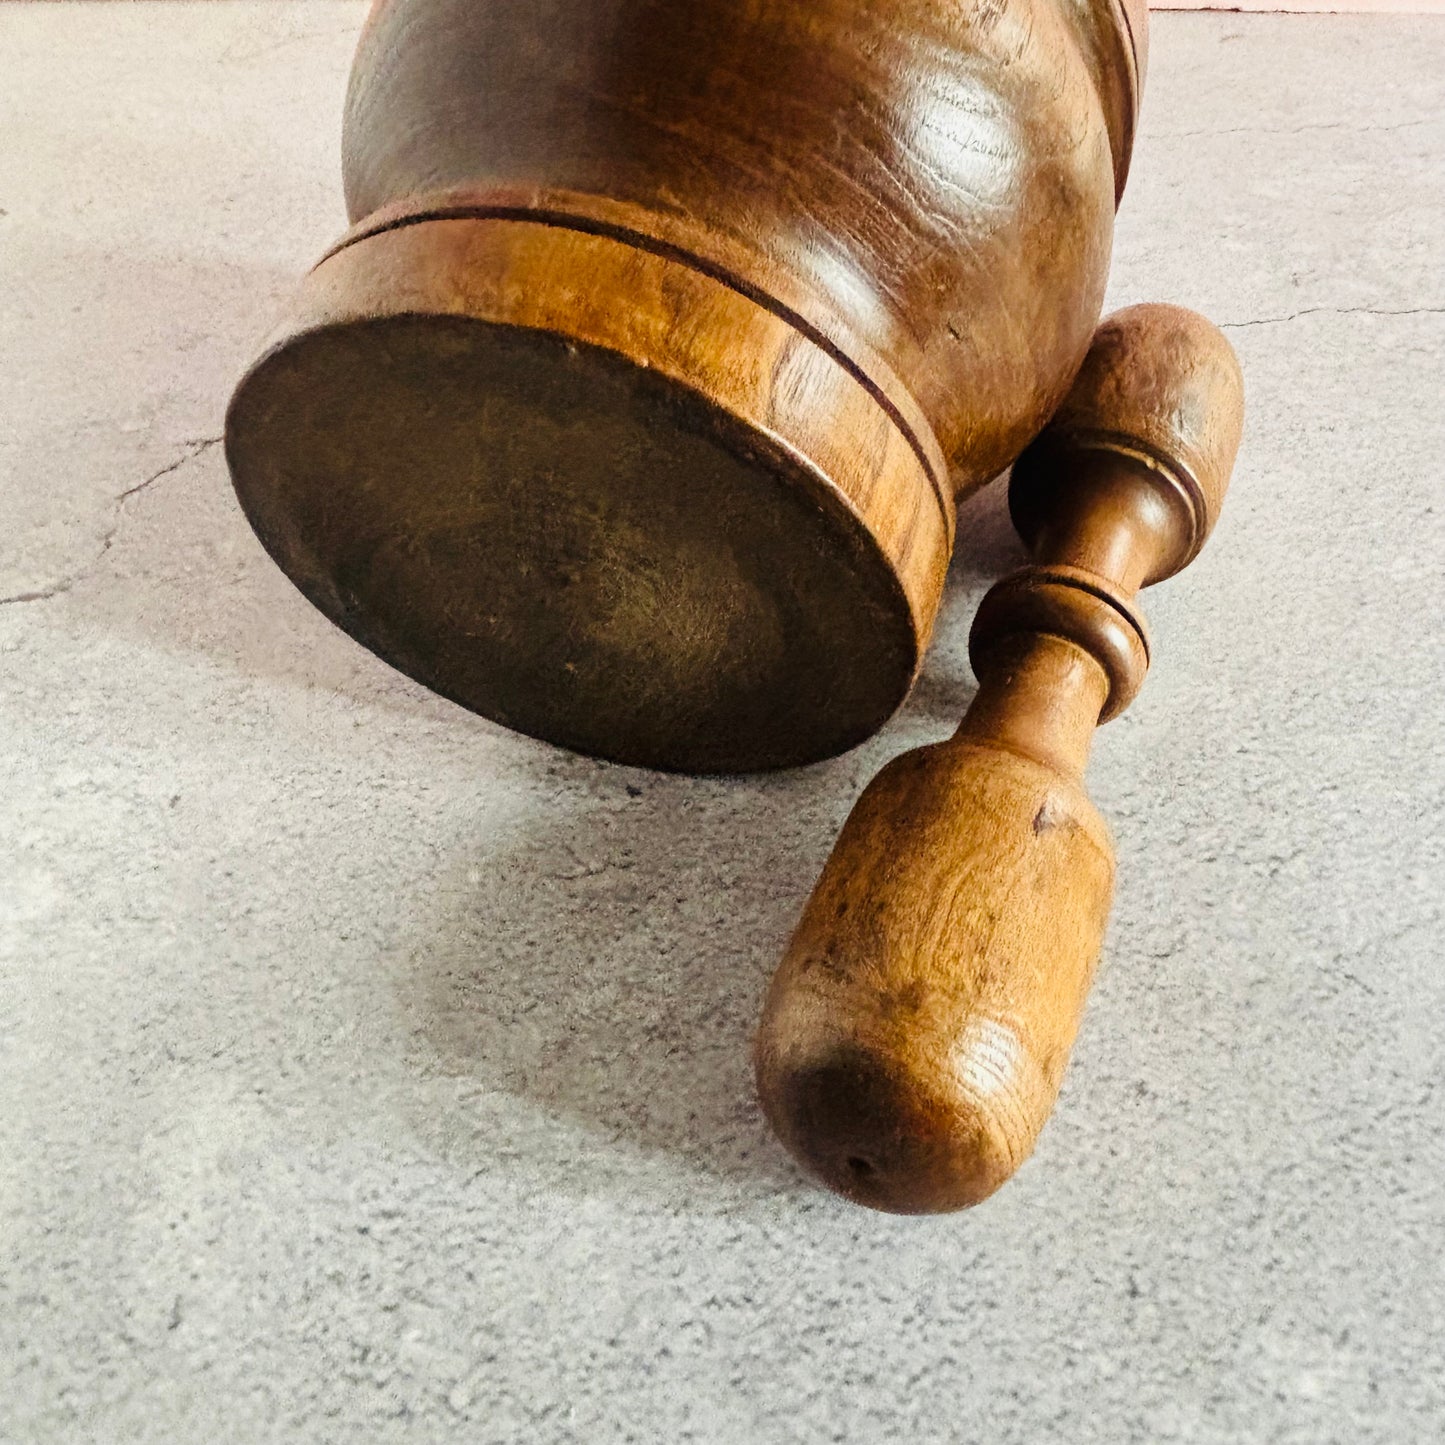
point(915, 1037)
point(798, 318)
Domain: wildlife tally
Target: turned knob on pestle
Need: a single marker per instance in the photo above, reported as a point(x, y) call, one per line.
point(915, 1037)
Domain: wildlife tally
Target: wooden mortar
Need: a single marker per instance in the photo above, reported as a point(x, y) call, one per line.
point(632, 410)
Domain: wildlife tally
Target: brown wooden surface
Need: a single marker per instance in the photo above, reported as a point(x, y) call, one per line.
point(940, 178)
point(915, 1037)
point(850, 258)
point(546, 451)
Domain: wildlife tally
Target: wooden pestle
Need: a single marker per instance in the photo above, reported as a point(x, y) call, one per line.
point(915, 1037)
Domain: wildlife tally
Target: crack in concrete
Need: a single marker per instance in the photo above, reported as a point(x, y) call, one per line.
point(1291, 130)
point(1333, 311)
point(193, 450)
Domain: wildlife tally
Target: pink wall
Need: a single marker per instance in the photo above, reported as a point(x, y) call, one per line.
point(1378, 7)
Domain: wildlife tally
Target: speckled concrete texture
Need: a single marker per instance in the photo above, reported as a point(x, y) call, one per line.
point(368, 1074)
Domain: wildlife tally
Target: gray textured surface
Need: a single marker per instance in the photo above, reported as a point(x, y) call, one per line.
point(368, 1074)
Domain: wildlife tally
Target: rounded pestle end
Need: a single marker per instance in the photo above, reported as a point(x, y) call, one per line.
point(914, 1039)
point(1160, 390)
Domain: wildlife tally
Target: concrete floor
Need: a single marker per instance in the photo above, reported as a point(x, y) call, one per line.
point(370, 1074)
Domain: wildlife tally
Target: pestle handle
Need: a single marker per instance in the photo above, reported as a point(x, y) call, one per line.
point(915, 1037)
